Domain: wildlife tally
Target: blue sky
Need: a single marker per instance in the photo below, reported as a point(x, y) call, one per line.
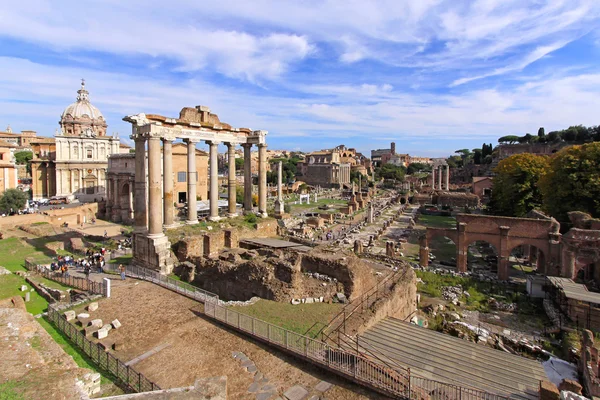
point(432, 75)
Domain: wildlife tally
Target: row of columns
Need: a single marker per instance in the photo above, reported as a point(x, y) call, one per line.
point(158, 189)
point(439, 169)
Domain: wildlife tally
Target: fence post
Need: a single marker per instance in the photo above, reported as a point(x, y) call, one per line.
point(269, 332)
point(305, 346)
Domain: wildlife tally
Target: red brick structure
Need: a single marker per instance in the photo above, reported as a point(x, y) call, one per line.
point(504, 233)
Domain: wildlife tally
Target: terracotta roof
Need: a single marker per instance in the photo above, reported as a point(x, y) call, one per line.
point(10, 134)
point(480, 178)
point(124, 146)
point(6, 144)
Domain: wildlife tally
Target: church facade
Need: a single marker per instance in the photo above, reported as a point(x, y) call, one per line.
point(73, 164)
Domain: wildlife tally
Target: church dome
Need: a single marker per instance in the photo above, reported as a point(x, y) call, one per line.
point(82, 117)
point(82, 107)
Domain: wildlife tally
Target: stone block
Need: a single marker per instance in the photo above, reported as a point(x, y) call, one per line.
point(309, 300)
point(295, 301)
point(102, 333)
point(96, 322)
point(108, 327)
point(118, 346)
point(70, 315)
point(296, 393)
point(90, 330)
point(92, 306)
point(23, 288)
point(116, 324)
point(323, 386)
point(548, 391)
point(83, 317)
point(570, 385)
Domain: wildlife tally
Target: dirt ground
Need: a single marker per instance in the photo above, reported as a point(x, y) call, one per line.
point(153, 317)
point(31, 363)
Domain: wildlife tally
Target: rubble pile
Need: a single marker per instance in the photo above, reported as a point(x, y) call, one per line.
point(321, 277)
point(452, 293)
point(499, 305)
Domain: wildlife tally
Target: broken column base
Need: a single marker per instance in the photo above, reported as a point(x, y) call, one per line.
point(152, 253)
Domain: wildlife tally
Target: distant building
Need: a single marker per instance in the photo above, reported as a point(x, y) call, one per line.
point(74, 162)
point(382, 156)
point(20, 140)
point(404, 160)
point(482, 187)
point(120, 178)
point(8, 168)
point(325, 168)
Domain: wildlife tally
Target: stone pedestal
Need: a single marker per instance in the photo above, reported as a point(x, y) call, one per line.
point(152, 253)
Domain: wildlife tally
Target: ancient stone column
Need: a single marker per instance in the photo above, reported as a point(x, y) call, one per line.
point(447, 177)
point(140, 185)
point(433, 178)
point(440, 177)
point(247, 177)
point(214, 181)
point(168, 206)
point(279, 202)
point(130, 203)
point(192, 177)
point(154, 188)
point(262, 179)
point(231, 188)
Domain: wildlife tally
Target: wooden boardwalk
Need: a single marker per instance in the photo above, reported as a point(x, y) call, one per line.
point(444, 358)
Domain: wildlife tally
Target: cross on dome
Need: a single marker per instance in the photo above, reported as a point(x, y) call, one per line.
point(82, 94)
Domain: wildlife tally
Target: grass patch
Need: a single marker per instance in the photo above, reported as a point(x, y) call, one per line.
point(297, 318)
point(524, 268)
point(13, 252)
point(437, 221)
point(479, 292)
point(10, 285)
point(126, 259)
point(40, 223)
point(11, 391)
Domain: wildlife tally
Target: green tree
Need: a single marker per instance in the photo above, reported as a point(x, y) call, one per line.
point(573, 182)
point(14, 199)
point(239, 164)
point(510, 139)
point(391, 171)
point(24, 158)
point(477, 156)
point(354, 176)
point(541, 132)
point(515, 189)
point(417, 167)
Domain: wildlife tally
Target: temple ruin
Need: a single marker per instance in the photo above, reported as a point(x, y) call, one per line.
point(153, 199)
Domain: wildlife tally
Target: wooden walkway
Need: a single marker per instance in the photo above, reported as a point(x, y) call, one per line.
point(444, 358)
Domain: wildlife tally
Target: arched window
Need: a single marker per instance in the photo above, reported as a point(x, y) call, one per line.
point(75, 154)
point(89, 152)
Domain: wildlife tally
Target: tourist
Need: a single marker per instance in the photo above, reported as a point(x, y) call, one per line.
point(122, 271)
point(87, 270)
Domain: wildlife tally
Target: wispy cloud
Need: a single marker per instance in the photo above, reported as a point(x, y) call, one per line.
point(348, 71)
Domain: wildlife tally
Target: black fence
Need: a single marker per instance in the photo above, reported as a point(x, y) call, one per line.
point(123, 373)
point(72, 281)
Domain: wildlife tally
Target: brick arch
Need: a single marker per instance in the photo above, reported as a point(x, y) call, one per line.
point(504, 233)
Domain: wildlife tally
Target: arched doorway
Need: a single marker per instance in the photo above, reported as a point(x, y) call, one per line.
point(442, 251)
point(482, 256)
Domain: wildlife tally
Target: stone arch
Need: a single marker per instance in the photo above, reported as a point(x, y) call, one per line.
point(495, 247)
point(124, 195)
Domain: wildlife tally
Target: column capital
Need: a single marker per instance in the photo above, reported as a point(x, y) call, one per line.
point(247, 145)
point(168, 138)
point(230, 145)
point(261, 145)
point(212, 142)
point(191, 140)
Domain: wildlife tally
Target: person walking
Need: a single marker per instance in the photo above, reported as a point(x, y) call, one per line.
point(122, 271)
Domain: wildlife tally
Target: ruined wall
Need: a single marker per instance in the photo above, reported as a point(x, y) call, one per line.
point(210, 244)
point(72, 216)
point(240, 274)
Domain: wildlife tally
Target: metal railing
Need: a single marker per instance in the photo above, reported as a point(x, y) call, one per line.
point(108, 362)
point(398, 382)
point(72, 281)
